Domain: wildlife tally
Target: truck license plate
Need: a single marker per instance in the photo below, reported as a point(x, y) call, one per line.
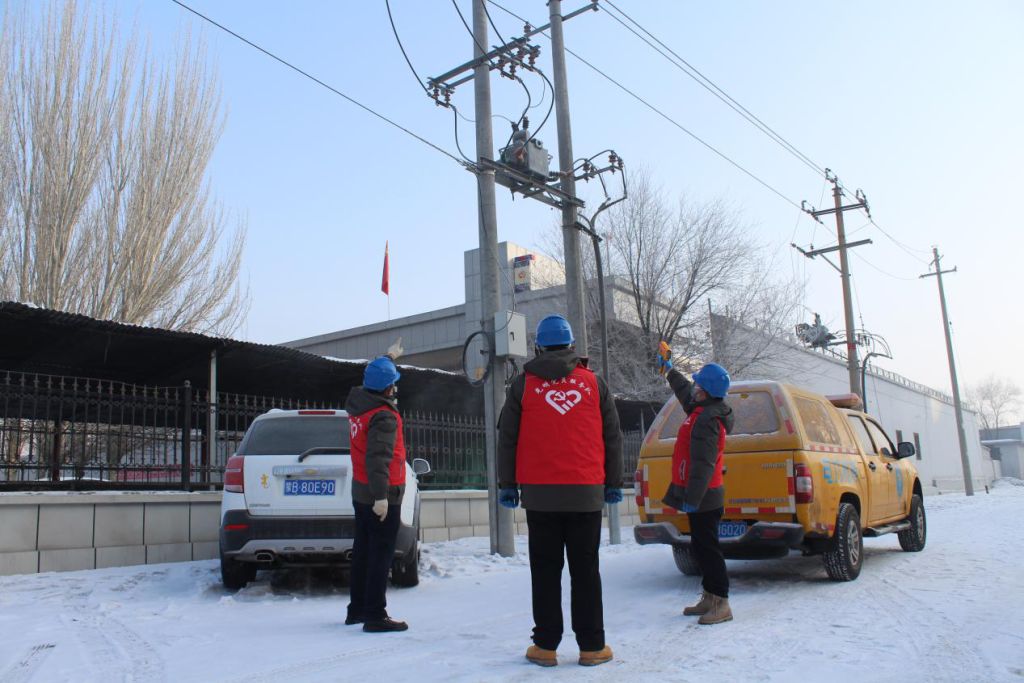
point(309, 487)
point(731, 529)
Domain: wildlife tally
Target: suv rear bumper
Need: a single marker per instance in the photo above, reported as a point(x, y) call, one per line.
point(291, 541)
point(761, 540)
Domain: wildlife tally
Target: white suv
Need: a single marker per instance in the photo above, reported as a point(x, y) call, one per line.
point(288, 499)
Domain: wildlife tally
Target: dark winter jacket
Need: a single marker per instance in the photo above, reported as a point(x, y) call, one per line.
point(558, 497)
point(380, 446)
point(715, 416)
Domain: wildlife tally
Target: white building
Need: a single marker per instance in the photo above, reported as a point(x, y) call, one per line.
point(1006, 445)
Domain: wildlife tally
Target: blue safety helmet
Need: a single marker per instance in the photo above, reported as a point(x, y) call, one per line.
point(380, 373)
point(554, 330)
point(713, 379)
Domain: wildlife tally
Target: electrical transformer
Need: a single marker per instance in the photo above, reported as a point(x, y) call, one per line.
point(527, 155)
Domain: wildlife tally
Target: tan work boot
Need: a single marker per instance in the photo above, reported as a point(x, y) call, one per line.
point(540, 656)
point(718, 612)
point(702, 606)
point(595, 657)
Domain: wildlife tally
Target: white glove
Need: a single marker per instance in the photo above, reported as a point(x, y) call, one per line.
point(380, 508)
point(396, 350)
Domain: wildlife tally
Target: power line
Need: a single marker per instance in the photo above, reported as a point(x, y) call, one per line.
point(884, 272)
point(908, 249)
point(325, 85)
point(493, 25)
point(665, 116)
point(455, 111)
point(394, 30)
point(712, 87)
point(469, 30)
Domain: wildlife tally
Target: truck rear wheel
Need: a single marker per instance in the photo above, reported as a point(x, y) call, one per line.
point(845, 556)
point(912, 540)
point(685, 561)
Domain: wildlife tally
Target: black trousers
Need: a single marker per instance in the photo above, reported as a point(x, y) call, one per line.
point(372, 552)
point(704, 539)
point(553, 536)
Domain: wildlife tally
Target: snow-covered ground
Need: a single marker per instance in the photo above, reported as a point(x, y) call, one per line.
point(954, 612)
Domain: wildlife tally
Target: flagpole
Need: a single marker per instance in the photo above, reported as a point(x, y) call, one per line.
point(385, 280)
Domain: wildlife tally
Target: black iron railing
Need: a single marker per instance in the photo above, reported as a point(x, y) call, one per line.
point(77, 433)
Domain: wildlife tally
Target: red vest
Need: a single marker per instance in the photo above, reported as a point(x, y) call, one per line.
point(358, 426)
point(681, 453)
point(561, 433)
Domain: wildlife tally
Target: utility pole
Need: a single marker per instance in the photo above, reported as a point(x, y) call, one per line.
point(502, 535)
point(844, 268)
point(521, 175)
point(957, 407)
point(575, 310)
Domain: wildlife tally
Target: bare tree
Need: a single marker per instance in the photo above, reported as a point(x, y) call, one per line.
point(107, 209)
point(996, 400)
point(665, 265)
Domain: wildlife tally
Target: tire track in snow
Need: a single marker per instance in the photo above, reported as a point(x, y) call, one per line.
point(24, 668)
point(117, 652)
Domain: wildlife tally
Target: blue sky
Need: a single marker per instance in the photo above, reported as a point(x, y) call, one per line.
point(918, 103)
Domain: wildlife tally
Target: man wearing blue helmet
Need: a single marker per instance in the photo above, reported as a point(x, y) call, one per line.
point(559, 443)
point(378, 484)
point(697, 485)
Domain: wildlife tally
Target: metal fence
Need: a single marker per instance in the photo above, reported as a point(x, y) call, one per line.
point(77, 433)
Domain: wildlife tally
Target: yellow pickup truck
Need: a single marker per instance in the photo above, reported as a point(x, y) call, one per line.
point(802, 472)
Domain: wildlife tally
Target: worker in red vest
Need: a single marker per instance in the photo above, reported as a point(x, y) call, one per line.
point(559, 443)
point(697, 487)
point(378, 484)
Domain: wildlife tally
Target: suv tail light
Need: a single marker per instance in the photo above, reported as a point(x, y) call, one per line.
point(638, 479)
point(804, 483)
point(234, 474)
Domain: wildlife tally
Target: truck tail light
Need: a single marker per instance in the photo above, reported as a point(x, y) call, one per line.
point(638, 483)
point(234, 474)
point(804, 483)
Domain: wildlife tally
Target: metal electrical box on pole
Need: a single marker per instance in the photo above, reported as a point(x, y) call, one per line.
point(510, 339)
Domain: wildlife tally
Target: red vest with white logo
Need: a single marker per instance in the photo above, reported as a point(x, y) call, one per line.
point(561, 433)
point(358, 426)
point(681, 453)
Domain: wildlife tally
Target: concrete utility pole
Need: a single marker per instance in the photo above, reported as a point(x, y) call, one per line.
point(575, 310)
point(844, 269)
point(957, 407)
point(502, 535)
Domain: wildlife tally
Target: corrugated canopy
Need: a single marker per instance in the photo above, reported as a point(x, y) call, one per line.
point(44, 341)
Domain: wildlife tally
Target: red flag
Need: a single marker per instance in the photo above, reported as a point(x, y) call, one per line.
point(384, 280)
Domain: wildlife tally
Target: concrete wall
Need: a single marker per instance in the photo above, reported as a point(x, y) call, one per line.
point(43, 532)
point(450, 515)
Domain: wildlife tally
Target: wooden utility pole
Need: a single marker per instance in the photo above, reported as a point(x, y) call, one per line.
point(844, 268)
point(957, 406)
